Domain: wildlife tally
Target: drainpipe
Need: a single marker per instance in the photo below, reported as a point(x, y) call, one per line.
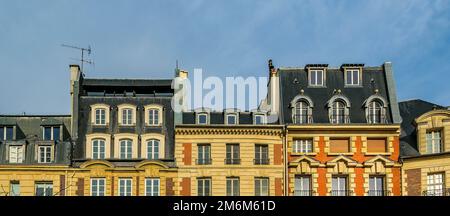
point(286, 175)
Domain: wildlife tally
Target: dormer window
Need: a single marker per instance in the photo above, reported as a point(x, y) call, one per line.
point(259, 119)
point(153, 115)
point(202, 118)
point(51, 133)
point(301, 112)
point(434, 142)
point(376, 109)
point(6, 133)
point(338, 109)
point(100, 116)
point(316, 77)
point(352, 77)
point(127, 116)
point(231, 119)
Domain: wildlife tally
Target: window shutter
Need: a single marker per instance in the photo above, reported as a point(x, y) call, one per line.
point(429, 143)
point(339, 145)
point(376, 145)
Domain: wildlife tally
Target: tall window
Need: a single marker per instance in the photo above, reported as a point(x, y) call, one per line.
point(127, 116)
point(233, 186)
point(338, 112)
point(232, 154)
point(303, 146)
point(301, 115)
point(153, 149)
point(261, 186)
point(6, 133)
point(204, 154)
point(100, 116)
point(98, 149)
point(16, 154)
point(376, 112)
point(44, 189)
point(98, 187)
point(316, 78)
point(352, 77)
point(51, 133)
point(261, 154)
point(231, 119)
point(204, 186)
point(153, 116)
point(152, 186)
point(376, 186)
point(125, 186)
point(14, 189)
point(302, 185)
point(339, 186)
point(126, 147)
point(434, 142)
point(259, 119)
point(45, 154)
point(435, 184)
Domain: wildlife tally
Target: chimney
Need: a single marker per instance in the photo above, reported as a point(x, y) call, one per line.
point(74, 75)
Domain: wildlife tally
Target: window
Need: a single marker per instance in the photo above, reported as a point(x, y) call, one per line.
point(316, 78)
point(152, 187)
point(204, 186)
point(97, 187)
point(261, 154)
point(127, 117)
point(231, 119)
point(51, 133)
point(233, 186)
point(301, 112)
point(125, 186)
point(338, 115)
point(16, 154)
point(302, 186)
point(259, 119)
point(153, 116)
point(202, 118)
point(339, 186)
point(232, 154)
point(261, 186)
point(204, 154)
point(434, 142)
point(45, 154)
point(303, 146)
point(376, 186)
point(100, 116)
point(44, 189)
point(376, 112)
point(339, 145)
point(14, 189)
point(435, 184)
point(153, 149)
point(98, 149)
point(6, 133)
point(376, 145)
point(352, 77)
point(126, 147)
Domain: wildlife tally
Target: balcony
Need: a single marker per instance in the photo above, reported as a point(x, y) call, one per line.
point(379, 193)
point(203, 161)
point(341, 192)
point(303, 193)
point(261, 161)
point(437, 192)
point(232, 161)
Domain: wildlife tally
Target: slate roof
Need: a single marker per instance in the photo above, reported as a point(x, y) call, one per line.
point(218, 118)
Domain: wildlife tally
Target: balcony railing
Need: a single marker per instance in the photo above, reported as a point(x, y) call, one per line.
point(341, 192)
point(261, 161)
point(340, 119)
point(203, 161)
point(303, 193)
point(232, 161)
point(303, 119)
point(437, 192)
point(379, 193)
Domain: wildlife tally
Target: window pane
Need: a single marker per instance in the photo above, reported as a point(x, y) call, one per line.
point(312, 79)
point(319, 77)
point(47, 133)
point(9, 133)
point(55, 133)
point(2, 133)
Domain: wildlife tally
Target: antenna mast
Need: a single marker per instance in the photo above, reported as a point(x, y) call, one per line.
point(82, 60)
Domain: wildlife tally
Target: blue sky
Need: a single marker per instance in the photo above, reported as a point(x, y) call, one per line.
point(142, 39)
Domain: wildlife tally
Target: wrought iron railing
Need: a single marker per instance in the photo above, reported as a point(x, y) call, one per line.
point(261, 161)
point(379, 193)
point(203, 161)
point(437, 192)
point(232, 161)
point(341, 193)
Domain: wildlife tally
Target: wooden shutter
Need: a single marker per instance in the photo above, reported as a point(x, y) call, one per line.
point(376, 145)
point(339, 145)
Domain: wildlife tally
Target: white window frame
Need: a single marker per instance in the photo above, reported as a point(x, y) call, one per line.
point(263, 119)
point(316, 80)
point(201, 186)
point(100, 155)
point(372, 112)
point(340, 191)
point(154, 150)
point(52, 135)
point(436, 184)
point(155, 113)
point(128, 153)
point(124, 190)
point(232, 190)
point(299, 185)
point(298, 110)
point(47, 149)
point(44, 185)
point(127, 116)
point(262, 190)
point(150, 184)
point(434, 138)
point(377, 190)
point(96, 191)
point(100, 119)
point(17, 154)
point(303, 146)
point(353, 82)
point(202, 114)
point(236, 118)
point(335, 118)
point(3, 136)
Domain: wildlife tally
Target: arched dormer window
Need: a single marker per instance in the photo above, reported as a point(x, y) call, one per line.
point(375, 107)
point(302, 110)
point(338, 109)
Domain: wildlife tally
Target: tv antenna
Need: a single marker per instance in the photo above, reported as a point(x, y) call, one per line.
point(82, 60)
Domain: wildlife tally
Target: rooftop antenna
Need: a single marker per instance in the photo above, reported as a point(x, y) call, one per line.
point(176, 64)
point(82, 60)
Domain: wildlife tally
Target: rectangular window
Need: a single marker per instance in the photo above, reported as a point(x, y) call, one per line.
point(125, 186)
point(302, 186)
point(233, 186)
point(204, 186)
point(376, 145)
point(153, 115)
point(45, 154)
point(261, 154)
point(152, 187)
point(16, 154)
point(98, 149)
point(2, 133)
point(9, 133)
point(231, 119)
point(435, 184)
point(339, 186)
point(98, 186)
point(339, 145)
point(14, 189)
point(127, 116)
point(153, 149)
point(376, 186)
point(202, 118)
point(126, 148)
point(44, 189)
point(261, 186)
point(303, 146)
point(51, 133)
point(352, 77)
point(100, 117)
point(260, 119)
point(434, 142)
point(232, 154)
point(316, 78)
point(204, 154)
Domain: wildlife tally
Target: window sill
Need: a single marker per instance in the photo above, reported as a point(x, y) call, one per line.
point(377, 153)
point(337, 154)
point(317, 86)
point(301, 154)
point(353, 86)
